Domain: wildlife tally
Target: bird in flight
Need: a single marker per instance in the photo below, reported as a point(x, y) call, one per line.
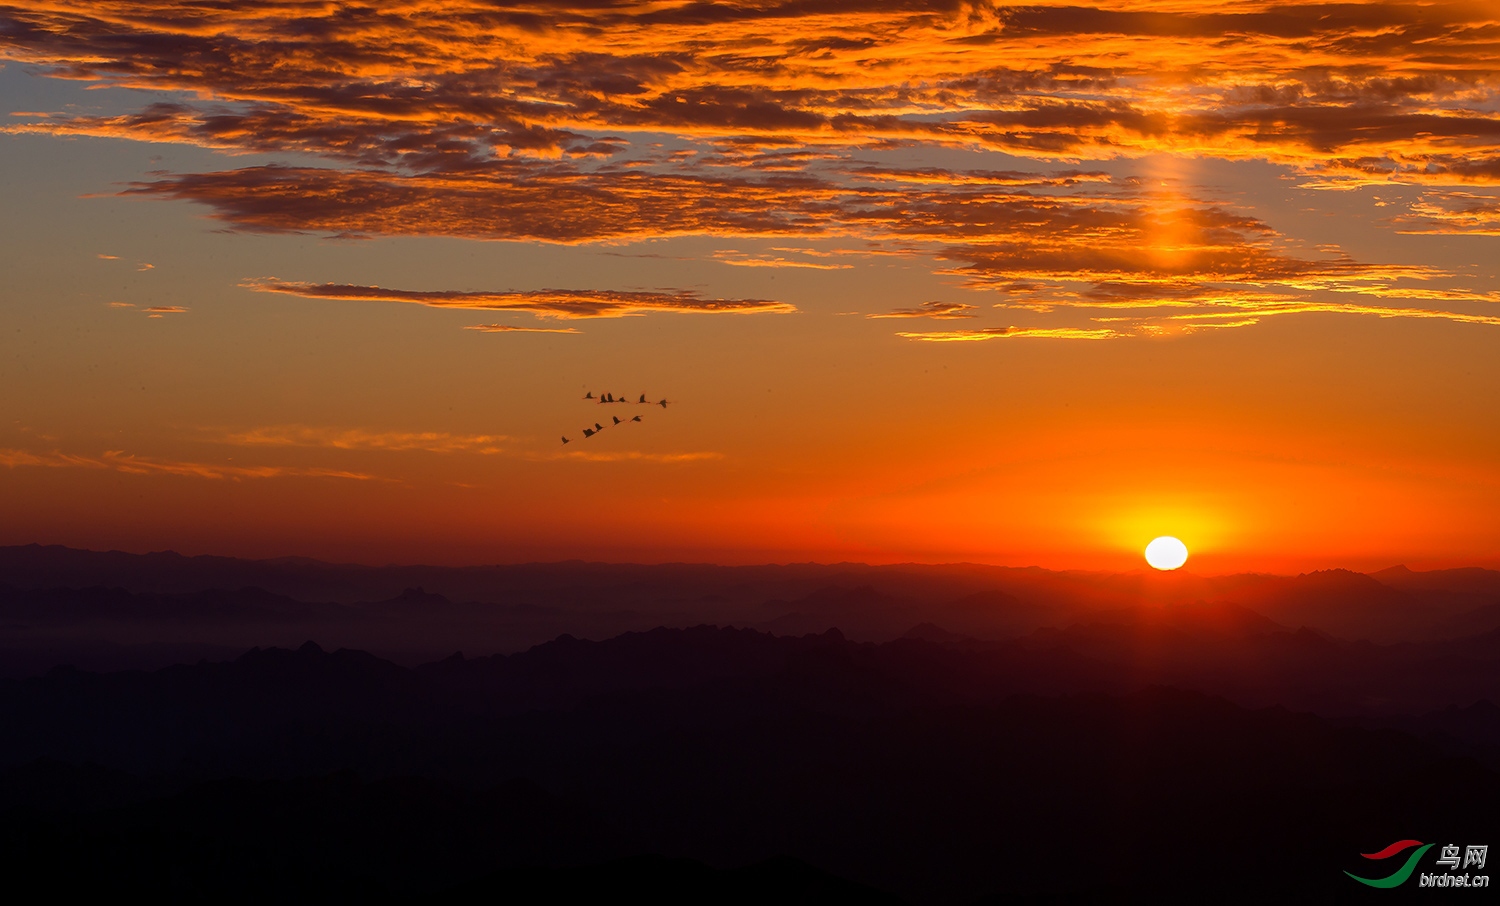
point(614, 419)
point(613, 398)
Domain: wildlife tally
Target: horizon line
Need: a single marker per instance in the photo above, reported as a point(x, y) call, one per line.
point(1144, 570)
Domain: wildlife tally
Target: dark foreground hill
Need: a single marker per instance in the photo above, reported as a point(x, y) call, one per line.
point(694, 763)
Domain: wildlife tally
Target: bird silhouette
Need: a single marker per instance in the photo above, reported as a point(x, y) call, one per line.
point(614, 419)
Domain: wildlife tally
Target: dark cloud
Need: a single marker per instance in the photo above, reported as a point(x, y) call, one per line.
point(503, 200)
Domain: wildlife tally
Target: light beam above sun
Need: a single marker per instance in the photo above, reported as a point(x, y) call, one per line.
point(1166, 553)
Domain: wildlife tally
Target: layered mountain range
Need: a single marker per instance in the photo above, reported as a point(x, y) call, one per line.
point(802, 733)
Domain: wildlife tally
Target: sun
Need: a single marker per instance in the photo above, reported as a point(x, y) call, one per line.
point(1166, 552)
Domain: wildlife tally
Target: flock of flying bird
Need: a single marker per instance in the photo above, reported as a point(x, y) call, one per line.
point(610, 398)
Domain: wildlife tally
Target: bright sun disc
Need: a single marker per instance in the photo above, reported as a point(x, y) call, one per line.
point(1166, 552)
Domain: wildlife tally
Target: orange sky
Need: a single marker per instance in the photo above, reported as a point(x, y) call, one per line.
point(921, 281)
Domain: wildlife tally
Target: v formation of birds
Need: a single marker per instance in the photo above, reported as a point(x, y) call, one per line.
point(604, 398)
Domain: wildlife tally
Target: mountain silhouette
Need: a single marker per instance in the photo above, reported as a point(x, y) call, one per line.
point(937, 772)
point(929, 735)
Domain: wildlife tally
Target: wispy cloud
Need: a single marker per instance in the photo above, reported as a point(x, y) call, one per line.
point(636, 456)
point(1453, 213)
point(1206, 319)
point(1240, 313)
point(745, 259)
point(365, 439)
point(1003, 333)
point(119, 461)
point(552, 303)
point(511, 328)
point(937, 310)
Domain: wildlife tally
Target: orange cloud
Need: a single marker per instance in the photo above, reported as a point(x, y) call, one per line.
point(548, 303)
point(1002, 333)
point(511, 328)
point(545, 121)
point(1115, 248)
point(1379, 90)
point(937, 310)
point(1453, 213)
point(1294, 308)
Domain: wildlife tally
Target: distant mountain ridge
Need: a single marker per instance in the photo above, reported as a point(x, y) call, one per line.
point(115, 610)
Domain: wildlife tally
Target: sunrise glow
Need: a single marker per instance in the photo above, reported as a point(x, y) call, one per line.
point(914, 279)
point(1166, 553)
